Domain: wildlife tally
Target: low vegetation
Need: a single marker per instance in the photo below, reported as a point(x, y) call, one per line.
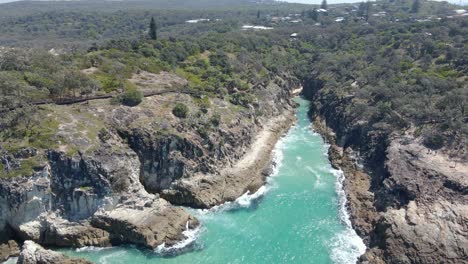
point(180, 110)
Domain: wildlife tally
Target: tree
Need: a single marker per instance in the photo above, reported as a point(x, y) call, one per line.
point(14, 60)
point(368, 5)
point(363, 10)
point(153, 34)
point(313, 14)
point(324, 4)
point(415, 7)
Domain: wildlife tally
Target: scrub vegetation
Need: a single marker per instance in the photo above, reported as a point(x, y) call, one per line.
point(400, 64)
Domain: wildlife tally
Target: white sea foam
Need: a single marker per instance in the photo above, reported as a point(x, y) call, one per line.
point(191, 236)
point(347, 246)
point(326, 146)
point(314, 133)
point(247, 199)
point(91, 249)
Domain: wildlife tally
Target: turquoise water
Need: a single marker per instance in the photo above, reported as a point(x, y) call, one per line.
point(298, 217)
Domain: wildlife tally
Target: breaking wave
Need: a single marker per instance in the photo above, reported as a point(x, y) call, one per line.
point(91, 249)
point(182, 246)
point(346, 245)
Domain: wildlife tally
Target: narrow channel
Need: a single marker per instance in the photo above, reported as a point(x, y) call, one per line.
point(298, 217)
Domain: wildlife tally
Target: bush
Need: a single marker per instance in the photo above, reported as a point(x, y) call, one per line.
point(180, 110)
point(203, 131)
point(434, 141)
point(243, 99)
point(37, 80)
point(104, 135)
point(131, 97)
point(216, 120)
point(204, 103)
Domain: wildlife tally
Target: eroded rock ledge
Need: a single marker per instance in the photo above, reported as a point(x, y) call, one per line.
point(33, 253)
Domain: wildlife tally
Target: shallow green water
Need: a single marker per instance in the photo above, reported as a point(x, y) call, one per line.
point(298, 217)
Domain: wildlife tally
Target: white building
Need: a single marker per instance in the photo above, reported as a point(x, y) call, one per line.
point(194, 21)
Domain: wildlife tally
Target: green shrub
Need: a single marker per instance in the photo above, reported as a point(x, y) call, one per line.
point(241, 98)
point(215, 120)
point(406, 65)
point(203, 131)
point(104, 135)
point(204, 103)
point(108, 83)
point(180, 110)
point(434, 141)
point(131, 97)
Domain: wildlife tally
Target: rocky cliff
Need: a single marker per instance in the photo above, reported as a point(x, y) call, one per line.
point(118, 171)
point(408, 202)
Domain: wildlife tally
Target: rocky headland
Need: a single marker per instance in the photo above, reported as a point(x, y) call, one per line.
point(409, 203)
point(117, 174)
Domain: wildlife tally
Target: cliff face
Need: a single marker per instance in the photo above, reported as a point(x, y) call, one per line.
point(70, 201)
point(408, 202)
point(189, 169)
point(121, 183)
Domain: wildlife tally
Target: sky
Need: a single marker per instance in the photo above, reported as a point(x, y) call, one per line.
point(293, 1)
point(300, 1)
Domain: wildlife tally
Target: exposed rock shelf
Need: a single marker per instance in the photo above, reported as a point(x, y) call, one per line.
point(33, 253)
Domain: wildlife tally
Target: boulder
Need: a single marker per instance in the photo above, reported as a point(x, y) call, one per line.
point(148, 227)
point(63, 233)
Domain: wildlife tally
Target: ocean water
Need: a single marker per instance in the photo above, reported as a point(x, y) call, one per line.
point(298, 217)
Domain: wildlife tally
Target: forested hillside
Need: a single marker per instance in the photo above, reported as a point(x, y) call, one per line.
point(397, 68)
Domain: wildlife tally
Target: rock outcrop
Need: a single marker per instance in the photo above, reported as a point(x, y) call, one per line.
point(32, 253)
point(244, 175)
point(407, 202)
point(9, 249)
point(149, 227)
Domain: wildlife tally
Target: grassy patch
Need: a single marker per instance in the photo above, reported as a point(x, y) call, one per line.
point(27, 168)
point(44, 135)
point(108, 83)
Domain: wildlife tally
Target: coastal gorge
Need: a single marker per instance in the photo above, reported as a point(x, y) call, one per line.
point(233, 132)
